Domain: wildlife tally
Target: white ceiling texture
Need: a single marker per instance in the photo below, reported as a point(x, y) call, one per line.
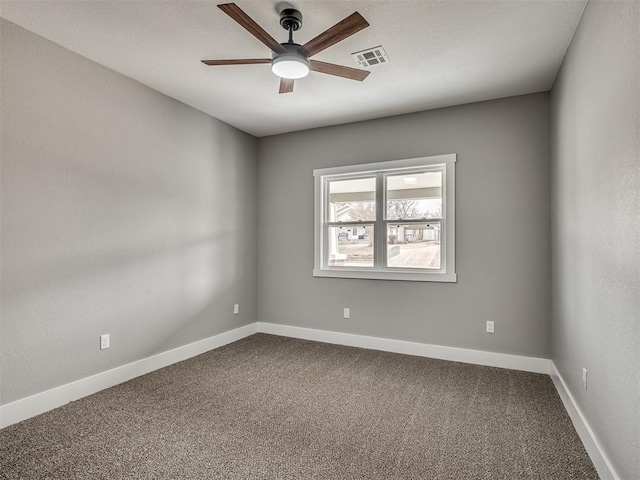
point(442, 53)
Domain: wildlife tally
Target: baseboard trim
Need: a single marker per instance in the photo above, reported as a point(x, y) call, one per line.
point(478, 357)
point(600, 460)
point(33, 405)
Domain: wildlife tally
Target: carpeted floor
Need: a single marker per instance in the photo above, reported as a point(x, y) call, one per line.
point(271, 407)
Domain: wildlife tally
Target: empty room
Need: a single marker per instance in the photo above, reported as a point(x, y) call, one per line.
point(320, 239)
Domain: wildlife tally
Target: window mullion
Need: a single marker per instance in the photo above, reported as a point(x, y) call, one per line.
point(324, 200)
point(380, 231)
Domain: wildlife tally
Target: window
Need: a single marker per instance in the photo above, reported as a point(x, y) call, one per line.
point(389, 221)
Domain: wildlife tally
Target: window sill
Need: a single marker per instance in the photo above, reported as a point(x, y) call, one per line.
point(378, 275)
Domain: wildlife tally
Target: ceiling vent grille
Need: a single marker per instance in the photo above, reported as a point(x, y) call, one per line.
point(371, 56)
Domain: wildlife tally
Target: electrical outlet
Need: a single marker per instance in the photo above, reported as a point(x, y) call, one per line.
point(236, 309)
point(584, 377)
point(347, 313)
point(104, 341)
point(490, 326)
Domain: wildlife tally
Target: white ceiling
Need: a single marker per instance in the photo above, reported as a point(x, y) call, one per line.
point(442, 53)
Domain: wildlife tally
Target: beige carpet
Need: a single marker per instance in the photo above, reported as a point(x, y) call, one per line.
point(270, 407)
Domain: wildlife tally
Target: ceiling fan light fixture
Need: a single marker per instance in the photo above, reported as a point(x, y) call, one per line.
point(290, 66)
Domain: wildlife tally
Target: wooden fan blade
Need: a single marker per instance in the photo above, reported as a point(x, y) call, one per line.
point(286, 85)
point(245, 61)
point(341, 30)
point(338, 70)
point(252, 27)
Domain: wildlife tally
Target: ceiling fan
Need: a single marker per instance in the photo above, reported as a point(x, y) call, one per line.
point(290, 60)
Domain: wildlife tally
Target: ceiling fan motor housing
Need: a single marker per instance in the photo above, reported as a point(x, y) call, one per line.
point(294, 58)
point(290, 19)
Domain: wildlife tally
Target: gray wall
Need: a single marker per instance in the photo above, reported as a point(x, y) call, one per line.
point(596, 225)
point(123, 212)
point(502, 229)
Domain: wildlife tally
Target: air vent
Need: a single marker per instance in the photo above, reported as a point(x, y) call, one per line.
point(371, 56)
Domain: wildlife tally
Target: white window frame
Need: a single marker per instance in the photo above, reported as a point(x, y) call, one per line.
point(321, 176)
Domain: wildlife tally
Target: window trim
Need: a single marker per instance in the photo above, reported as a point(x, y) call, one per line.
point(447, 271)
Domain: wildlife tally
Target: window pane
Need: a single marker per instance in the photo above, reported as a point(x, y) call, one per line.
point(413, 245)
point(414, 195)
point(351, 246)
point(352, 200)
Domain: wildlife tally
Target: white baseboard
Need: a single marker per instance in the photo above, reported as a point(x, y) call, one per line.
point(478, 357)
point(48, 400)
point(589, 440)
